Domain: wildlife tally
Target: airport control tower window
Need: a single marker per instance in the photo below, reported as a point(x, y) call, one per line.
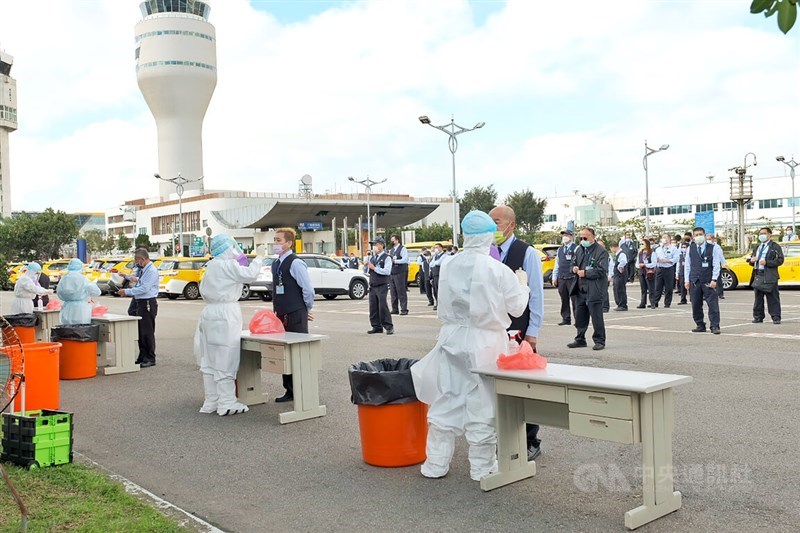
point(192, 7)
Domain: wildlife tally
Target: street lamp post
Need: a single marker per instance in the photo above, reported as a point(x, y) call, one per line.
point(741, 193)
point(368, 183)
point(791, 164)
point(179, 181)
point(647, 153)
point(452, 130)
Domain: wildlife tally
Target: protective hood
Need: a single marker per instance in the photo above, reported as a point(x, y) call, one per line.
point(74, 265)
point(478, 243)
point(220, 243)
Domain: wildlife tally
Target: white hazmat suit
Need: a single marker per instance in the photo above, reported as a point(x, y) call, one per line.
point(26, 289)
point(476, 295)
point(74, 290)
point(219, 329)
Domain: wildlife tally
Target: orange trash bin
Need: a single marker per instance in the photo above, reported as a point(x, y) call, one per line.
point(78, 356)
point(26, 334)
point(41, 377)
point(393, 435)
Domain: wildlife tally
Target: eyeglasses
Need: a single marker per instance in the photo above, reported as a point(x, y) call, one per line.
point(584, 239)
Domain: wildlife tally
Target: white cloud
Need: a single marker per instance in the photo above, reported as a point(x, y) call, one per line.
point(568, 94)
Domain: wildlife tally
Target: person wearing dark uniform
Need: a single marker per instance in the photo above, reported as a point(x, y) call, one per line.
point(629, 247)
point(436, 266)
point(619, 277)
point(352, 261)
point(701, 270)
point(293, 294)
point(682, 288)
point(44, 282)
point(563, 278)
point(379, 268)
point(425, 276)
point(145, 293)
point(766, 260)
point(399, 282)
point(590, 263)
point(647, 276)
point(666, 257)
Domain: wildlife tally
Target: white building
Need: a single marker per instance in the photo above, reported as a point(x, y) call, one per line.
point(176, 68)
point(8, 123)
point(772, 204)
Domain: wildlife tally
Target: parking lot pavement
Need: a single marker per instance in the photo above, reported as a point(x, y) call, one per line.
point(735, 440)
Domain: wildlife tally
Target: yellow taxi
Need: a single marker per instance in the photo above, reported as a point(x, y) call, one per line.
point(55, 269)
point(414, 249)
point(14, 270)
point(100, 270)
point(547, 253)
point(739, 271)
point(181, 276)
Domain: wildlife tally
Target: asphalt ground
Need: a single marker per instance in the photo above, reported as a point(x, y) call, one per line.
point(735, 444)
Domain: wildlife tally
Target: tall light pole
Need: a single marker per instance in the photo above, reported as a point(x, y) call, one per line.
point(647, 153)
point(368, 183)
point(452, 130)
point(741, 193)
point(791, 164)
point(179, 181)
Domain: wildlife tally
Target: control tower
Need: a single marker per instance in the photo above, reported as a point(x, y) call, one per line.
point(8, 123)
point(176, 68)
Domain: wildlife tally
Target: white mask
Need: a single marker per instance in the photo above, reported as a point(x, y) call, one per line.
point(565, 240)
point(375, 250)
point(699, 240)
point(663, 241)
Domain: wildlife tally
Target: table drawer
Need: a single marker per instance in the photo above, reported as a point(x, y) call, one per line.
point(600, 427)
point(276, 365)
point(273, 351)
point(251, 346)
point(601, 403)
point(534, 391)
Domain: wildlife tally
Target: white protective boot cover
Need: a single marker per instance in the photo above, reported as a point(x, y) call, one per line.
point(210, 387)
point(439, 450)
point(227, 404)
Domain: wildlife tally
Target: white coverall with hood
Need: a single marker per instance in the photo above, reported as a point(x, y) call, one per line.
point(476, 296)
point(219, 329)
point(74, 289)
point(26, 289)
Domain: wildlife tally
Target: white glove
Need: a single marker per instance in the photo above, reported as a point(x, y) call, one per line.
point(522, 277)
point(261, 251)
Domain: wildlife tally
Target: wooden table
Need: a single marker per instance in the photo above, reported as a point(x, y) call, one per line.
point(617, 405)
point(123, 332)
point(298, 354)
point(48, 318)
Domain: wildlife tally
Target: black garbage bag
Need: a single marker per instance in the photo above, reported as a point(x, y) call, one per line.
point(76, 332)
point(382, 382)
point(24, 320)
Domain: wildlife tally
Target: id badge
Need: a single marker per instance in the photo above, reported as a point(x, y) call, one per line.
point(279, 289)
point(704, 265)
point(568, 257)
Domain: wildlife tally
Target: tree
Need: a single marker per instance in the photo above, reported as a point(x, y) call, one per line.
point(480, 198)
point(28, 237)
point(110, 243)
point(143, 241)
point(529, 211)
point(786, 9)
point(124, 243)
point(96, 242)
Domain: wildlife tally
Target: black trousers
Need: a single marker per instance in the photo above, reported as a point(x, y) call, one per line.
point(648, 288)
point(682, 286)
point(583, 312)
point(399, 292)
point(773, 303)
point(147, 309)
point(720, 288)
point(435, 285)
point(633, 270)
point(429, 288)
point(620, 291)
point(567, 300)
point(606, 298)
point(665, 284)
point(294, 322)
point(379, 316)
point(701, 292)
point(423, 281)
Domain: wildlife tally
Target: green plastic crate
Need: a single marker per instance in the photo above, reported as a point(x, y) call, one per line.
point(38, 438)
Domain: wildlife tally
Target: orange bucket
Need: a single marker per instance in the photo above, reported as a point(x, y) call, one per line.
point(26, 334)
point(393, 435)
point(78, 360)
point(41, 377)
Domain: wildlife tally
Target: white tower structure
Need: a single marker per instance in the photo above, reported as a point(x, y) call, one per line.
point(8, 123)
point(176, 68)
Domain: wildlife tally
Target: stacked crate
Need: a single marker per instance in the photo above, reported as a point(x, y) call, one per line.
point(37, 439)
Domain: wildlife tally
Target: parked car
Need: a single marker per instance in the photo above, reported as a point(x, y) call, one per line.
point(180, 276)
point(13, 272)
point(739, 271)
point(547, 253)
point(99, 270)
point(54, 270)
point(329, 277)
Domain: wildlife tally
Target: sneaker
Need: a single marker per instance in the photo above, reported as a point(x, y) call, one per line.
point(534, 452)
point(209, 407)
point(235, 409)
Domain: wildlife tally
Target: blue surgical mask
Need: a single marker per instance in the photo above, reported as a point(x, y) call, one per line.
point(586, 244)
point(699, 240)
point(762, 238)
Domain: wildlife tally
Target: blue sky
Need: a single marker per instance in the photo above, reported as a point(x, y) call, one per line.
point(568, 91)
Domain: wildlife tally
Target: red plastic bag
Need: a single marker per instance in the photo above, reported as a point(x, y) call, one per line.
point(99, 310)
point(265, 321)
point(524, 359)
point(54, 304)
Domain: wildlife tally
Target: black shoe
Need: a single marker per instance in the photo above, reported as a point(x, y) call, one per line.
point(564, 323)
point(776, 322)
point(758, 320)
point(534, 452)
point(430, 304)
point(577, 344)
point(715, 331)
point(374, 330)
point(138, 361)
point(640, 306)
point(666, 307)
point(288, 397)
point(699, 329)
point(395, 312)
point(404, 312)
point(620, 309)
point(434, 308)
point(721, 297)
point(390, 331)
point(147, 364)
point(598, 347)
point(650, 306)
point(683, 302)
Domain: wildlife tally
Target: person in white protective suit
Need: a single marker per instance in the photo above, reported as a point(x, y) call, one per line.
point(219, 330)
point(75, 290)
point(26, 288)
point(476, 296)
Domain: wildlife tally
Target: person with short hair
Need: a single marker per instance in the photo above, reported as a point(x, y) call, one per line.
point(591, 265)
point(380, 273)
point(647, 274)
point(666, 257)
point(767, 258)
point(399, 280)
point(145, 292)
point(701, 271)
point(436, 266)
point(789, 234)
point(619, 275)
point(563, 279)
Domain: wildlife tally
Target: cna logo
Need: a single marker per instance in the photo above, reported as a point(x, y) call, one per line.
point(592, 477)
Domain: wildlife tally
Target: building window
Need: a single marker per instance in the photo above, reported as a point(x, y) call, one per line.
point(654, 211)
point(143, 231)
point(550, 218)
point(772, 203)
point(679, 209)
point(793, 202)
point(699, 208)
point(168, 224)
point(728, 206)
